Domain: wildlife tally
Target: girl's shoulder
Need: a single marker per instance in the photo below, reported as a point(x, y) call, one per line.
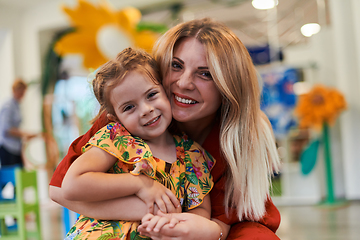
point(191, 151)
point(116, 140)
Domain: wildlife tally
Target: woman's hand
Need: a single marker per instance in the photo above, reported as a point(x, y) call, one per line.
point(153, 192)
point(156, 222)
point(190, 226)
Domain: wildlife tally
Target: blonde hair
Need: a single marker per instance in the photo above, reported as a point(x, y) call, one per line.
point(114, 71)
point(246, 139)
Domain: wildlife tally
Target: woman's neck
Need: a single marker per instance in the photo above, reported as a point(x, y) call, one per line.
point(197, 130)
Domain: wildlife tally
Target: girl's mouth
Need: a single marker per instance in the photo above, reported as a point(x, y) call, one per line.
point(152, 121)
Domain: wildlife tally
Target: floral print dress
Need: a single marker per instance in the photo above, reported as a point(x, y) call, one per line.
point(188, 177)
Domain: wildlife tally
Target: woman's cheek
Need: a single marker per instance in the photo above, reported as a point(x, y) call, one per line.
point(166, 84)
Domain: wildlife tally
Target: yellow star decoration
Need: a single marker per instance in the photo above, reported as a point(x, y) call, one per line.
point(318, 106)
point(88, 19)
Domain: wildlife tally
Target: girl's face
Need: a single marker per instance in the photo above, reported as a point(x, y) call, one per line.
point(141, 106)
point(193, 94)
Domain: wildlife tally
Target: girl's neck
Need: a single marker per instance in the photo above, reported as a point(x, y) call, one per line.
point(163, 147)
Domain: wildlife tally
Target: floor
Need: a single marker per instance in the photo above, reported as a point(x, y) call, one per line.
point(320, 223)
point(298, 222)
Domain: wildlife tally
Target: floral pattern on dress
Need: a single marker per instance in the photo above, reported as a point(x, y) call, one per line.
point(188, 177)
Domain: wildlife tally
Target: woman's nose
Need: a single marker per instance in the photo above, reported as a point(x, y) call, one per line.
point(186, 81)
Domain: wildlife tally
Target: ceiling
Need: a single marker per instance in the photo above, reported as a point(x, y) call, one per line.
point(254, 27)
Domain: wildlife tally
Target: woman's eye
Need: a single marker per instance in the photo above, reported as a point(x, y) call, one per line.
point(206, 75)
point(128, 108)
point(176, 65)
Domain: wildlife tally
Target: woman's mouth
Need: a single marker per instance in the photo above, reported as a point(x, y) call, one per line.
point(152, 121)
point(184, 100)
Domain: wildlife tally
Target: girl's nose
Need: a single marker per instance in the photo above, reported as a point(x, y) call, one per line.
point(147, 109)
point(186, 81)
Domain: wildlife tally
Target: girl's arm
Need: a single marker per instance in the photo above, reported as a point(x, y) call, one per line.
point(88, 172)
point(113, 209)
point(87, 180)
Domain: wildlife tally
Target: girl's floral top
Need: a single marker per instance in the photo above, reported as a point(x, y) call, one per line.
point(188, 177)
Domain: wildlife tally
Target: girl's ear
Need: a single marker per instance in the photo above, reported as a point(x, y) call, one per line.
point(112, 117)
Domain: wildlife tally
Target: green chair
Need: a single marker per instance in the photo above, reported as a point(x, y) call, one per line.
point(20, 208)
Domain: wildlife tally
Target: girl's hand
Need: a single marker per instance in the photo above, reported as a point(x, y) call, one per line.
point(153, 193)
point(189, 227)
point(155, 222)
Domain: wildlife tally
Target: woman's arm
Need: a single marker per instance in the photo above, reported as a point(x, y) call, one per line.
point(195, 224)
point(190, 227)
point(204, 209)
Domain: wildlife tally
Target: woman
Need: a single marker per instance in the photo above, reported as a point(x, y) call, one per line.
point(215, 98)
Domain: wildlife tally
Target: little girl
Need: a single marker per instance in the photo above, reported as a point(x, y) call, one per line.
point(129, 90)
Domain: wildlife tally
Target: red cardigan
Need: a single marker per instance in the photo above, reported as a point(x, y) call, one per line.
point(264, 229)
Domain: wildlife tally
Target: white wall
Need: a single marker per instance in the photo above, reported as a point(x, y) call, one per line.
point(346, 32)
point(335, 52)
point(6, 64)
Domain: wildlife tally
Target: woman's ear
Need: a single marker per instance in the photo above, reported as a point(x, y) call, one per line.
point(112, 117)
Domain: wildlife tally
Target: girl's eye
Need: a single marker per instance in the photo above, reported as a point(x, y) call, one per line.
point(128, 108)
point(152, 94)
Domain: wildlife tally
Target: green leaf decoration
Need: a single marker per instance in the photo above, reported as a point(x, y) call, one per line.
point(120, 141)
point(147, 154)
point(154, 27)
point(104, 145)
point(188, 144)
point(192, 178)
point(205, 167)
point(135, 235)
point(205, 185)
point(106, 236)
point(125, 155)
point(308, 157)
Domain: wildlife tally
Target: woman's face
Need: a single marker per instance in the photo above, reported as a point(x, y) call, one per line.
point(193, 94)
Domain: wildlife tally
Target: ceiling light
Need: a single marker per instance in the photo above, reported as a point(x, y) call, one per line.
point(310, 29)
point(264, 4)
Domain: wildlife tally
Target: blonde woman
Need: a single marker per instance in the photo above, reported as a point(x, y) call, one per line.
point(215, 98)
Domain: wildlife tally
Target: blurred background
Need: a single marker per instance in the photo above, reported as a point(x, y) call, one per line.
point(295, 45)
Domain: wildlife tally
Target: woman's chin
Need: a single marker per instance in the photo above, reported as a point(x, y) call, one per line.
point(181, 116)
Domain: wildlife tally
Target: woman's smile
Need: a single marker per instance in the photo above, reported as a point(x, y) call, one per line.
point(183, 100)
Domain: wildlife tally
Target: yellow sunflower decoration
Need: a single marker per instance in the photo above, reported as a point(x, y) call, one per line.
point(321, 105)
point(100, 33)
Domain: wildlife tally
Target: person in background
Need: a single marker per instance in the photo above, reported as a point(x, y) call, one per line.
point(11, 136)
point(214, 93)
